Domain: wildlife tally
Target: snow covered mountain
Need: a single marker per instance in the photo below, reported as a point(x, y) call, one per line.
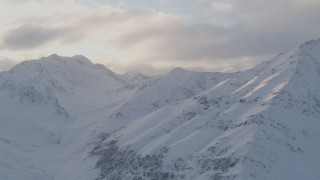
point(52, 109)
point(67, 118)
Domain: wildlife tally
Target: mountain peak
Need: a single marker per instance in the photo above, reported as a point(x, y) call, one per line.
point(82, 59)
point(54, 56)
point(311, 43)
point(312, 47)
point(77, 58)
point(55, 70)
point(178, 70)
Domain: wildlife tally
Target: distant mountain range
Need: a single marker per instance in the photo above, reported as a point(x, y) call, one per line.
point(67, 118)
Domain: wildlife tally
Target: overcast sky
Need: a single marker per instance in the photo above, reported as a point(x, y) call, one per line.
point(156, 35)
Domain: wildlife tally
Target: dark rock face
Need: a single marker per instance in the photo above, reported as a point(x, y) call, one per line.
point(117, 163)
point(124, 163)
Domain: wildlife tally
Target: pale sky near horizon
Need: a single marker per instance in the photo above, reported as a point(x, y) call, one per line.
point(155, 35)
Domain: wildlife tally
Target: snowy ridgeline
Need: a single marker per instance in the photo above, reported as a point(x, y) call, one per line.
point(67, 118)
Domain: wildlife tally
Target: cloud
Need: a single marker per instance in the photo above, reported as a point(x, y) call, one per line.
point(221, 35)
point(6, 64)
point(14, 1)
point(29, 36)
point(279, 24)
point(197, 46)
point(221, 6)
point(74, 25)
point(267, 28)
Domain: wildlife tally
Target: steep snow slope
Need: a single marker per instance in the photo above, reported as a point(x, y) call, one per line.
point(261, 124)
point(175, 86)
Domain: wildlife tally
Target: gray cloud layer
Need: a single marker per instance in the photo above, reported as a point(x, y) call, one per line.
point(29, 36)
point(271, 27)
point(256, 29)
point(33, 32)
point(6, 64)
